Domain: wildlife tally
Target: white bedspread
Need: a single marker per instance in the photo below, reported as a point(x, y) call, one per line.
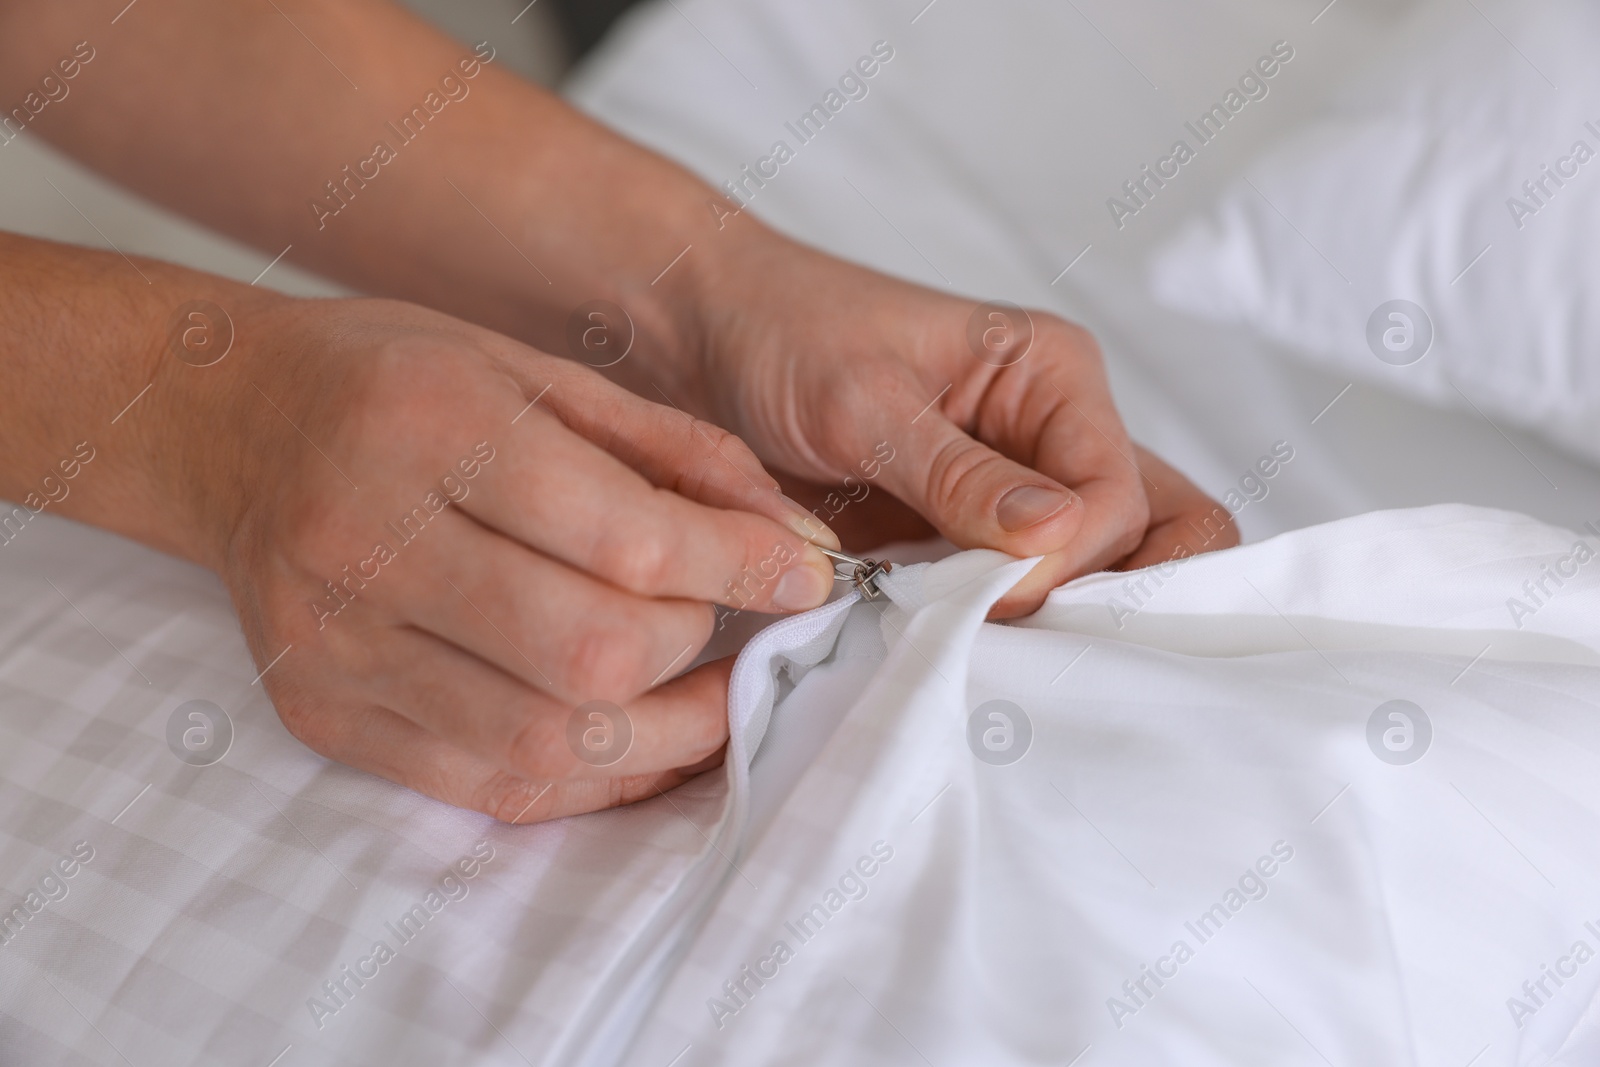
point(219, 899)
point(1203, 799)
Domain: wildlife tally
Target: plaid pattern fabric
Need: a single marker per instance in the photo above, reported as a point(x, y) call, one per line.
point(220, 899)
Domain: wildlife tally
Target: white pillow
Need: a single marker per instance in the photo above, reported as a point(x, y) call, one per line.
point(1455, 145)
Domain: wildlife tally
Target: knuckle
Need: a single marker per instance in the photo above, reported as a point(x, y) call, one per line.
point(1063, 333)
point(958, 465)
point(307, 722)
point(755, 565)
point(399, 393)
point(511, 799)
point(1127, 539)
point(538, 748)
point(714, 457)
point(727, 448)
point(1134, 522)
point(737, 449)
point(703, 620)
point(707, 732)
point(1136, 501)
point(384, 386)
point(361, 650)
point(1227, 535)
point(710, 435)
point(605, 661)
point(638, 561)
point(392, 361)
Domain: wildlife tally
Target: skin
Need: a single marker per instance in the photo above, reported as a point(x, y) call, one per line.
point(581, 561)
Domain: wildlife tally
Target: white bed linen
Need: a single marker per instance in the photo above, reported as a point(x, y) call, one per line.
point(1225, 715)
point(1224, 722)
point(1451, 148)
point(220, 898)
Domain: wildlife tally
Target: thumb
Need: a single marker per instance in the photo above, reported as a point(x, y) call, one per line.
point(973, 495)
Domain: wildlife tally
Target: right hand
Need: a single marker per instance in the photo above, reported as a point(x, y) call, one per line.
point(535, 561)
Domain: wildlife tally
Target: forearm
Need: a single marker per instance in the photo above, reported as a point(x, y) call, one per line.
point(97, 404)
point(386, 155)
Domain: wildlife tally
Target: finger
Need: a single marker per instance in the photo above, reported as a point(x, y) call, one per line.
point(1116, 510)
point(1183, 520)
point(494, 717)
point(563, 496)
point(550, 626)
point(972, 494)
point(376, 740)
point(676, 451)
point(862, 521)
point(1055, 412)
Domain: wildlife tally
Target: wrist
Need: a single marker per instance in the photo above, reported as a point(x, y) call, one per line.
point(688, 308)
point(669, 255)
point(204, 427)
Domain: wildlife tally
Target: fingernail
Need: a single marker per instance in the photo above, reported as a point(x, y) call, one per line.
point(808, 525)
point(1029, 505)
point(802, 587)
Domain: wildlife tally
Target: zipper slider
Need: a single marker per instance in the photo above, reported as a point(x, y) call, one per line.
point(862, 573)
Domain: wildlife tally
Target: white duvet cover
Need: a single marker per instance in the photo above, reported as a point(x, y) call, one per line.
point(1209, 854)
point(1206, 853)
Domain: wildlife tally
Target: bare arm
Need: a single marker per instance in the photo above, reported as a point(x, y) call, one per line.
point(389, 157)
point(82, 351)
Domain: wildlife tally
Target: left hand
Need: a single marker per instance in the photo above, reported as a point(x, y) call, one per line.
point(817, 364)
point(1183, 520)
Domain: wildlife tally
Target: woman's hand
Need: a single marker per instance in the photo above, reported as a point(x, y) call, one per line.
point(441, 543)
point(1183, 520)
point(1000, 422)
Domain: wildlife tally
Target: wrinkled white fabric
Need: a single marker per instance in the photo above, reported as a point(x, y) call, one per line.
point(1222, 730)
point(1006, 906)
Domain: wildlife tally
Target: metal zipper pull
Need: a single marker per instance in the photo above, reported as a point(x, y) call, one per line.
point(863, 573)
